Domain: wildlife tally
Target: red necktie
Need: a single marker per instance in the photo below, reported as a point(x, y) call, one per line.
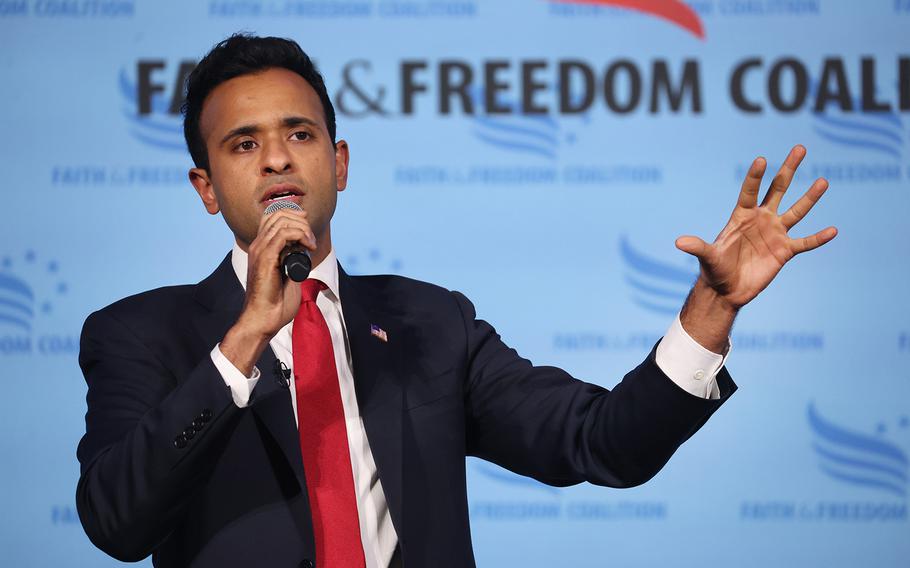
point(324, 438)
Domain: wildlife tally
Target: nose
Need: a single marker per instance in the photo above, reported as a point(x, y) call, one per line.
point(276, 158)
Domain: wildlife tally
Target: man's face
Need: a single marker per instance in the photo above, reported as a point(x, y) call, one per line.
point(266, 134)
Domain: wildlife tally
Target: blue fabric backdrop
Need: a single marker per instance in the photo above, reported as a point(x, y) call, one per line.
point(618, 131)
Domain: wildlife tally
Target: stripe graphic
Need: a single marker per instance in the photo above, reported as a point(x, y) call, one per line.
point(673, 11)
point(856, 458)
point(657, 286)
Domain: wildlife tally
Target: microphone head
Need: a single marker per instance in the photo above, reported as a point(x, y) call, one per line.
point(279, 205)
point(295, 260)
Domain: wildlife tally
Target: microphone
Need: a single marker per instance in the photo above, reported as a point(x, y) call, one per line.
point(295, 260)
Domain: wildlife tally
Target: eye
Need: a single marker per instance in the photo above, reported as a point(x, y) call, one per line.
point(245, 146)
point(302, 135)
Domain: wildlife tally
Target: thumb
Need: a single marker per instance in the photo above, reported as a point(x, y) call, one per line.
point(692, 245)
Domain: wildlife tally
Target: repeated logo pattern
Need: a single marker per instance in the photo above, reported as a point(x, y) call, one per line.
point(859, 459)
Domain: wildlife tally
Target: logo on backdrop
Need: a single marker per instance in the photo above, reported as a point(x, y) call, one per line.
point(151, 95)
point(31, 289)
point(659, 287)
point(654, 285)
point(875, 131)
point(347, 9)
point(689, 16)
point(534, 109)
point(870, 465)
point(859, 459)
point(151, 102)
point(846, 110)
point(60, 9)
point(673, 11)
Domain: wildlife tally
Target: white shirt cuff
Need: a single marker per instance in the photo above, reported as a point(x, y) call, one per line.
point(241, 385)
point(688, 364)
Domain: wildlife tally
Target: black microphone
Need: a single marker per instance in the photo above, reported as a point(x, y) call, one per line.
point(295, 260)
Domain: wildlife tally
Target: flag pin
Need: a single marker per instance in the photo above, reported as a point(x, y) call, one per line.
point(379, 333)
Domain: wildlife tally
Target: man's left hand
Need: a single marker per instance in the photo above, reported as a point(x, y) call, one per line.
point(754, 245)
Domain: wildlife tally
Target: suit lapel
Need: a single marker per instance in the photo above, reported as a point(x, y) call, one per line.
point(222, 294)
point(377, 378)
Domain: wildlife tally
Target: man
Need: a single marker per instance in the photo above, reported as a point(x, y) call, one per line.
point(254, 420)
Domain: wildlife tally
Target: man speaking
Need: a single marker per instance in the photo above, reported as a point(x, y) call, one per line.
point(254, 420)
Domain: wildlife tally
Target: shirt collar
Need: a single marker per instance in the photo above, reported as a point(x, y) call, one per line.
point(326, 271)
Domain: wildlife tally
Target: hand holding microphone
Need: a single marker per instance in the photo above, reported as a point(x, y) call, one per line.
point(295, 260)
point(277, 258)
point(272, 292)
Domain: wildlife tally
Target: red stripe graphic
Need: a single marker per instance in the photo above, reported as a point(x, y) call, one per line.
point(673, 11)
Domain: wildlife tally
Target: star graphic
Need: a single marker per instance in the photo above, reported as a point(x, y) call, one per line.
point(904, 422)
point(52, 266)
point(374, 254)
point(7, 262)
point(46, 307)
point(62, 288)
point(30, 256)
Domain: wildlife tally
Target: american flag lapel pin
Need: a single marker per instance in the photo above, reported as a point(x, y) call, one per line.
point(379, 333)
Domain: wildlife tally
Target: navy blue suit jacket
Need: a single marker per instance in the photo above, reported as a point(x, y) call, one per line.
point(170, 466)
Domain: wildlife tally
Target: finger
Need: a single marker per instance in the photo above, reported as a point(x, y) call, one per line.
point(269, 220)
point(748, 195)
point(282, 237)
point(813, 241)
point(289, 219)
point(804, 204)
point(274, 231)
point(784, 176)
point(693, 245)
point(304, 226)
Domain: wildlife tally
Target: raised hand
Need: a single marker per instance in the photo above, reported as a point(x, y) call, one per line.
point(754, 245)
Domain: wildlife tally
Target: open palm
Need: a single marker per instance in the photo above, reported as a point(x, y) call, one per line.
point(754, 245)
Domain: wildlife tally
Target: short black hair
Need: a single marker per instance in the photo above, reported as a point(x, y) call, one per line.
point(243, 54)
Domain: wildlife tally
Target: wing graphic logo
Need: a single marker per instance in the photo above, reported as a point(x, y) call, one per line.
point(536, 135)
point(19, 303)
point(159, 128)
point(858, 459)
point(881, 132)
point(657, 286)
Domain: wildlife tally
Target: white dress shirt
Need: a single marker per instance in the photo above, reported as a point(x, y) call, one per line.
point(376, 530)
point(688, 364)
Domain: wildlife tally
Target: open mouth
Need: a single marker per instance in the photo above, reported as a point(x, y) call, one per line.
point(282, 195)
point(280, 192)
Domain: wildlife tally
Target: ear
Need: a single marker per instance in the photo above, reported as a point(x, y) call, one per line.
point(342, 155)
point(203, 185)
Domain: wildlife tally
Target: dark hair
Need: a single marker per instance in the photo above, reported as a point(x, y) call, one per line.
point(242, 54)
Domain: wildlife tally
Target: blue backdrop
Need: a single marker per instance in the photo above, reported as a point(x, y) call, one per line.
point(558, 147)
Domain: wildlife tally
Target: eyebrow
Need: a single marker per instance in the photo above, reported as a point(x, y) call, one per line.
point(287, 122)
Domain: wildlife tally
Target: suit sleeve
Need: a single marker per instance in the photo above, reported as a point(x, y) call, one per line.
point(541, 422)
point(151, 438)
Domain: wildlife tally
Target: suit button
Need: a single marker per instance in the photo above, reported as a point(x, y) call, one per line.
point(189, 433)
point(180, 441)
point(206, 415)
point(198, 423)
point(307, 563)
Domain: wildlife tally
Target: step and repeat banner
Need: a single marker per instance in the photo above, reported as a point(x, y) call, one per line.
point(541, 157)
